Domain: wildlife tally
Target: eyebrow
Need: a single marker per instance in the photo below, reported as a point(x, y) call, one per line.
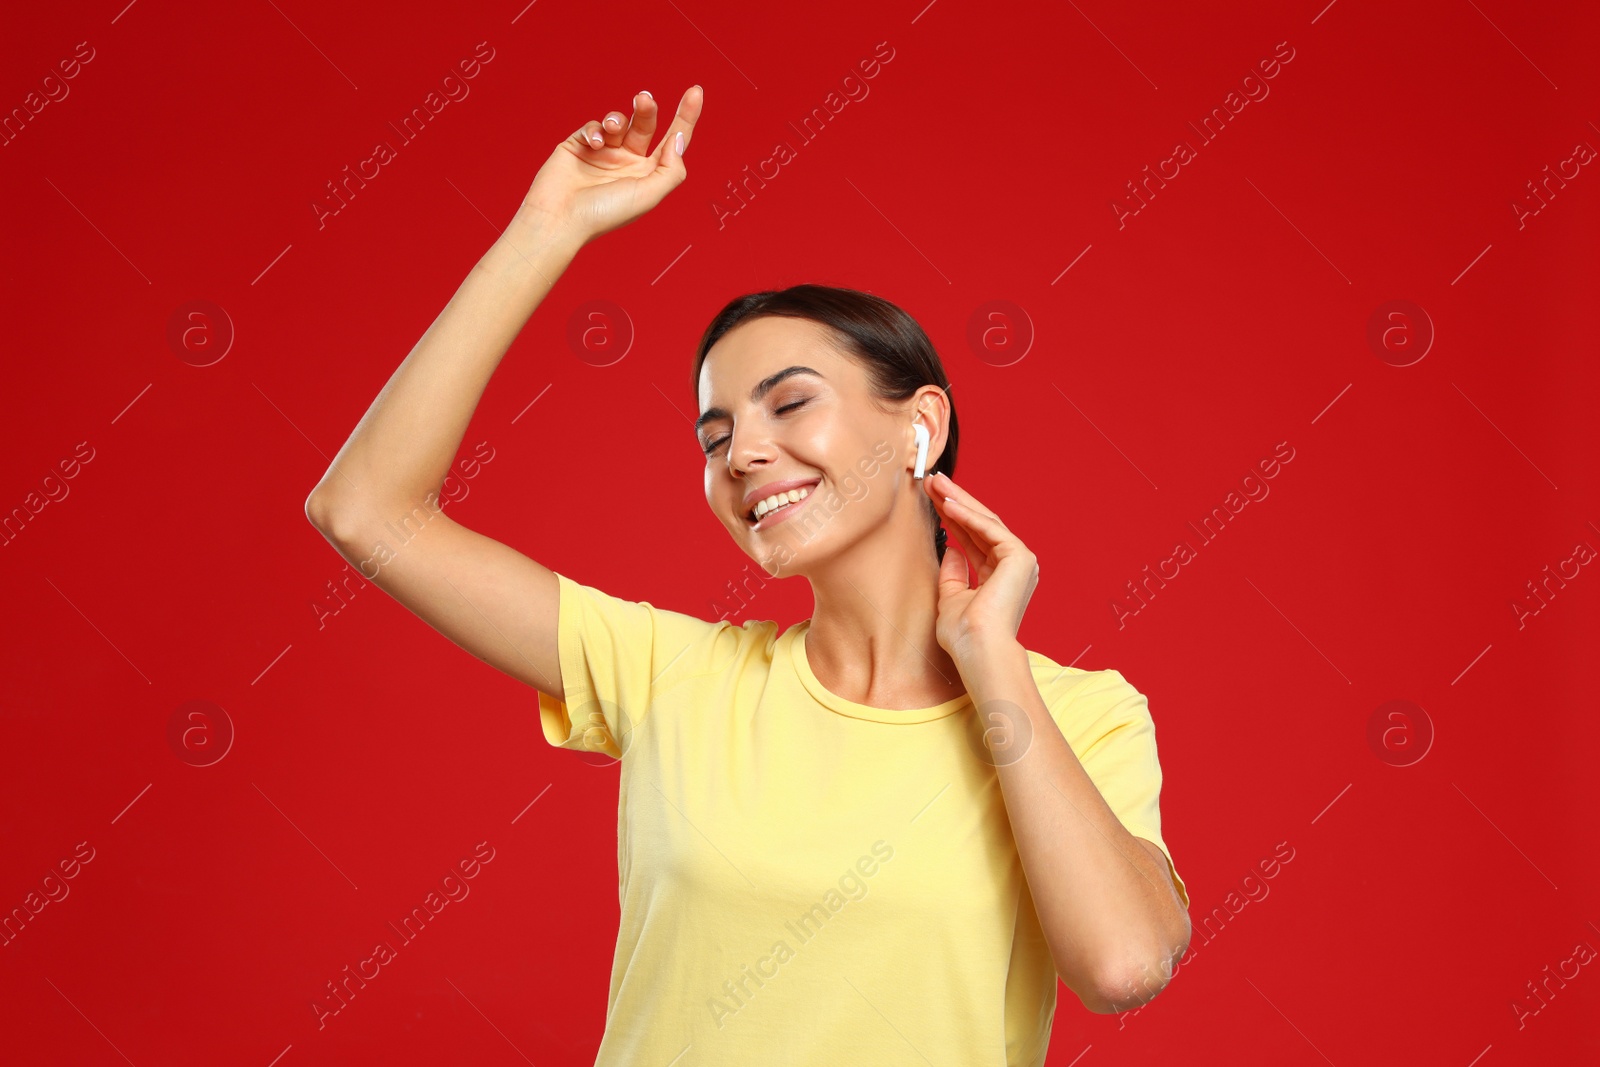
point(763, 387)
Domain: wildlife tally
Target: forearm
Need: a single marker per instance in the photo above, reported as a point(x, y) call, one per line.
point(403, 446)
point(1109, 913)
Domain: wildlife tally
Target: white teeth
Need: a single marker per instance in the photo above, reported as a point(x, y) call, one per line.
point(777, 500)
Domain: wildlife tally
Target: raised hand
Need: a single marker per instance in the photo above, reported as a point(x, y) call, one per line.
point(604, 175)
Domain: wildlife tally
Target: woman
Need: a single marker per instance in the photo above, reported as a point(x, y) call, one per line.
point(882, 833)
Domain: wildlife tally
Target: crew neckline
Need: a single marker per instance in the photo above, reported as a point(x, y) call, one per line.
point(897, 716)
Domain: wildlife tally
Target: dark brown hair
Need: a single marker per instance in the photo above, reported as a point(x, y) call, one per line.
point(886, 342)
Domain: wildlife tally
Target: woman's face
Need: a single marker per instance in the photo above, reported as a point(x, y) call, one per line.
point(765, 425)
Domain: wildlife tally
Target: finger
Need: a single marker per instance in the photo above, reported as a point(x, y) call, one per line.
point(961, 533)
point(954, 572)
point(1000, 545)
point(948, 487)
point(612, 127)
point(986, 530)
point(588, 135)
point(683, 122)
point(669, 170)
point(977, 560)
point(951, 512)
point(936, 493)
point(643, 127)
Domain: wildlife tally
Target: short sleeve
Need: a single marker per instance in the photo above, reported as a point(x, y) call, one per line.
point(618, 657)
point(1107, 722)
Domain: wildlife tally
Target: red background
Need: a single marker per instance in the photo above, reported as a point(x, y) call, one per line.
point(1230, 314)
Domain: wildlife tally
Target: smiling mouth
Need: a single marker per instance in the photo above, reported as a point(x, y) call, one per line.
point(780, 512)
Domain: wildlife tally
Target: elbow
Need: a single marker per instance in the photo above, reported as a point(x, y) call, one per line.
point(319, 509)
point(1128, 991)
point(331, 518)
point(1117, 990)
point(1133, 985)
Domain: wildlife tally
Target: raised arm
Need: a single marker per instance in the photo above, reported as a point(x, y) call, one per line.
point(488, 598)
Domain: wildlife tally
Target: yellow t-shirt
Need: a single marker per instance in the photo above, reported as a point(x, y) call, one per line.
point(808, 880)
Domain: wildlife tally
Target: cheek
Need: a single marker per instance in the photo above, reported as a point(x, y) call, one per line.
point(836, 441)
point(717, 485)
point(722, 498)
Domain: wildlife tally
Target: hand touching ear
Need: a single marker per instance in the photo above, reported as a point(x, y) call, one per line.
point(971, 620)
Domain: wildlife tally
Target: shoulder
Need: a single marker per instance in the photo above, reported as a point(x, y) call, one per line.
point(1088, 706)
point(1066, 685)
point(760, 636)
point(671, 641)
point(738, 647)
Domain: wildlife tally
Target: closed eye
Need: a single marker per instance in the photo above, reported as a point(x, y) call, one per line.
point(713, 445)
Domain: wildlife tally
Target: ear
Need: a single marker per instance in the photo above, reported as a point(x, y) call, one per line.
point(930, 406)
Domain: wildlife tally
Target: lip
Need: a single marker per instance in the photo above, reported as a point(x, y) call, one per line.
point(784, 486)
point(761, 492)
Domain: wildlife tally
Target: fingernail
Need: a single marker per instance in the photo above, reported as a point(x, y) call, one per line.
point(611, 121)
point(645, 92)
point(680, 142)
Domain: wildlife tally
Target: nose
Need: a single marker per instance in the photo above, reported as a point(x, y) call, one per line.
point(746, 450)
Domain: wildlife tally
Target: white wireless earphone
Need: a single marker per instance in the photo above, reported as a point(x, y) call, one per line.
point(922, 447)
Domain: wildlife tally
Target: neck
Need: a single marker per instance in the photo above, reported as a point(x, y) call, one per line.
point(872, 638)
